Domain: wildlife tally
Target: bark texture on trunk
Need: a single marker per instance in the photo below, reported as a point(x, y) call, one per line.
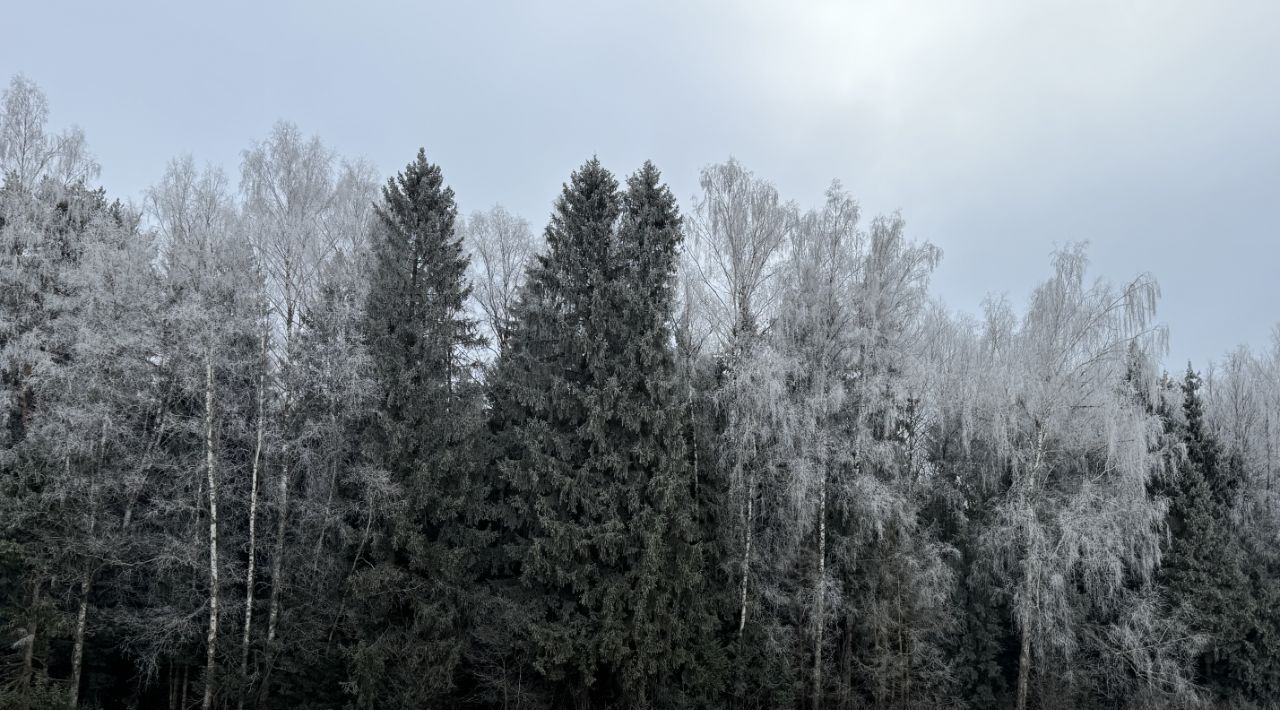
point(253, 529)
point(1024, 670)
point(211, 661)
point(746, 560)
point(173, 687)
point(29, 653)
point(77, 652)
point(277, 558)
point(819, 600)
point(1031, 578)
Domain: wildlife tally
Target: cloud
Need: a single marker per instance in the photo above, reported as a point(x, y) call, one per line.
point(998, 128)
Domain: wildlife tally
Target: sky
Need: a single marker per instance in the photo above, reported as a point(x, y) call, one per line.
point(999, 130)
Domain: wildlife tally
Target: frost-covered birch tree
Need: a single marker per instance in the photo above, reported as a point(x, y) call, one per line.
point(301, 207)
point(1076, 522)
point(816, 331)
point(28, 154)
point(738, 232)
point(851, 321)
point(212, 351)
point(501, 246)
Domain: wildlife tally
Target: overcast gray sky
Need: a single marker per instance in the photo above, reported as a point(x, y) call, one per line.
point(998, 129)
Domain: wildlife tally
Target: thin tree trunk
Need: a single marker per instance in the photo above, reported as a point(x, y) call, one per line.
point(1270, 466)
point(211, 663)
point(846, 698)
point(904, 646)
point(253, 531)
point(77, 653)
point(173, 687)
point(277, 560)
point(1024, 670)
point(185, 677)
point(346, 582)
point(333, 483)
point(142, 469)
point(746, 559)
point(82, 612)
point(1033, 575)
point(693, 432)
point(277, 557)
point(324, 522)
point(28, 654)
point(819, 596)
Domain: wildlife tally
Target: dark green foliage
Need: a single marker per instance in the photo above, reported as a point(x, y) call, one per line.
point(572, 495)
point(984, 649)
point(45, 694)
point(1257, 663)
point(412, 581)
point(591, 426)
point(1203, 569)
point(671, 662)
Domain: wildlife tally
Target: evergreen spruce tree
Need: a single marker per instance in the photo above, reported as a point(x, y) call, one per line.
point(552, 395)
point(1203, 567)
point(588, 415)
point(1257, 662)
point(419, 340)
point(672, 662)
point(1227, 572)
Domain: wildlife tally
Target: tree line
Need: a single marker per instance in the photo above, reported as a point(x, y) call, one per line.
point(315, 442)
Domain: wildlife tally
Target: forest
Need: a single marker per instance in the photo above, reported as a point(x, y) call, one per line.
point(296, 437)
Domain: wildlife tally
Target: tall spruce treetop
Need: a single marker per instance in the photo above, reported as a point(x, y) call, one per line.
point(670, 661)
point(649, 241)
point(419, 340)
point(566, 503)
point(1221, 473)
point(418, 330)
point(585, 406)
point(1203, 567)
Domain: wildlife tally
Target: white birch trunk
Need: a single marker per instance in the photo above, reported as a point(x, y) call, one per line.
point(77, 653)
point(1024, 670)
point(277, 558)
point(746, 559)
point(819, 600)
point(253, 528)
point(82, 612)
point(1032, 576)
point(211, 662)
